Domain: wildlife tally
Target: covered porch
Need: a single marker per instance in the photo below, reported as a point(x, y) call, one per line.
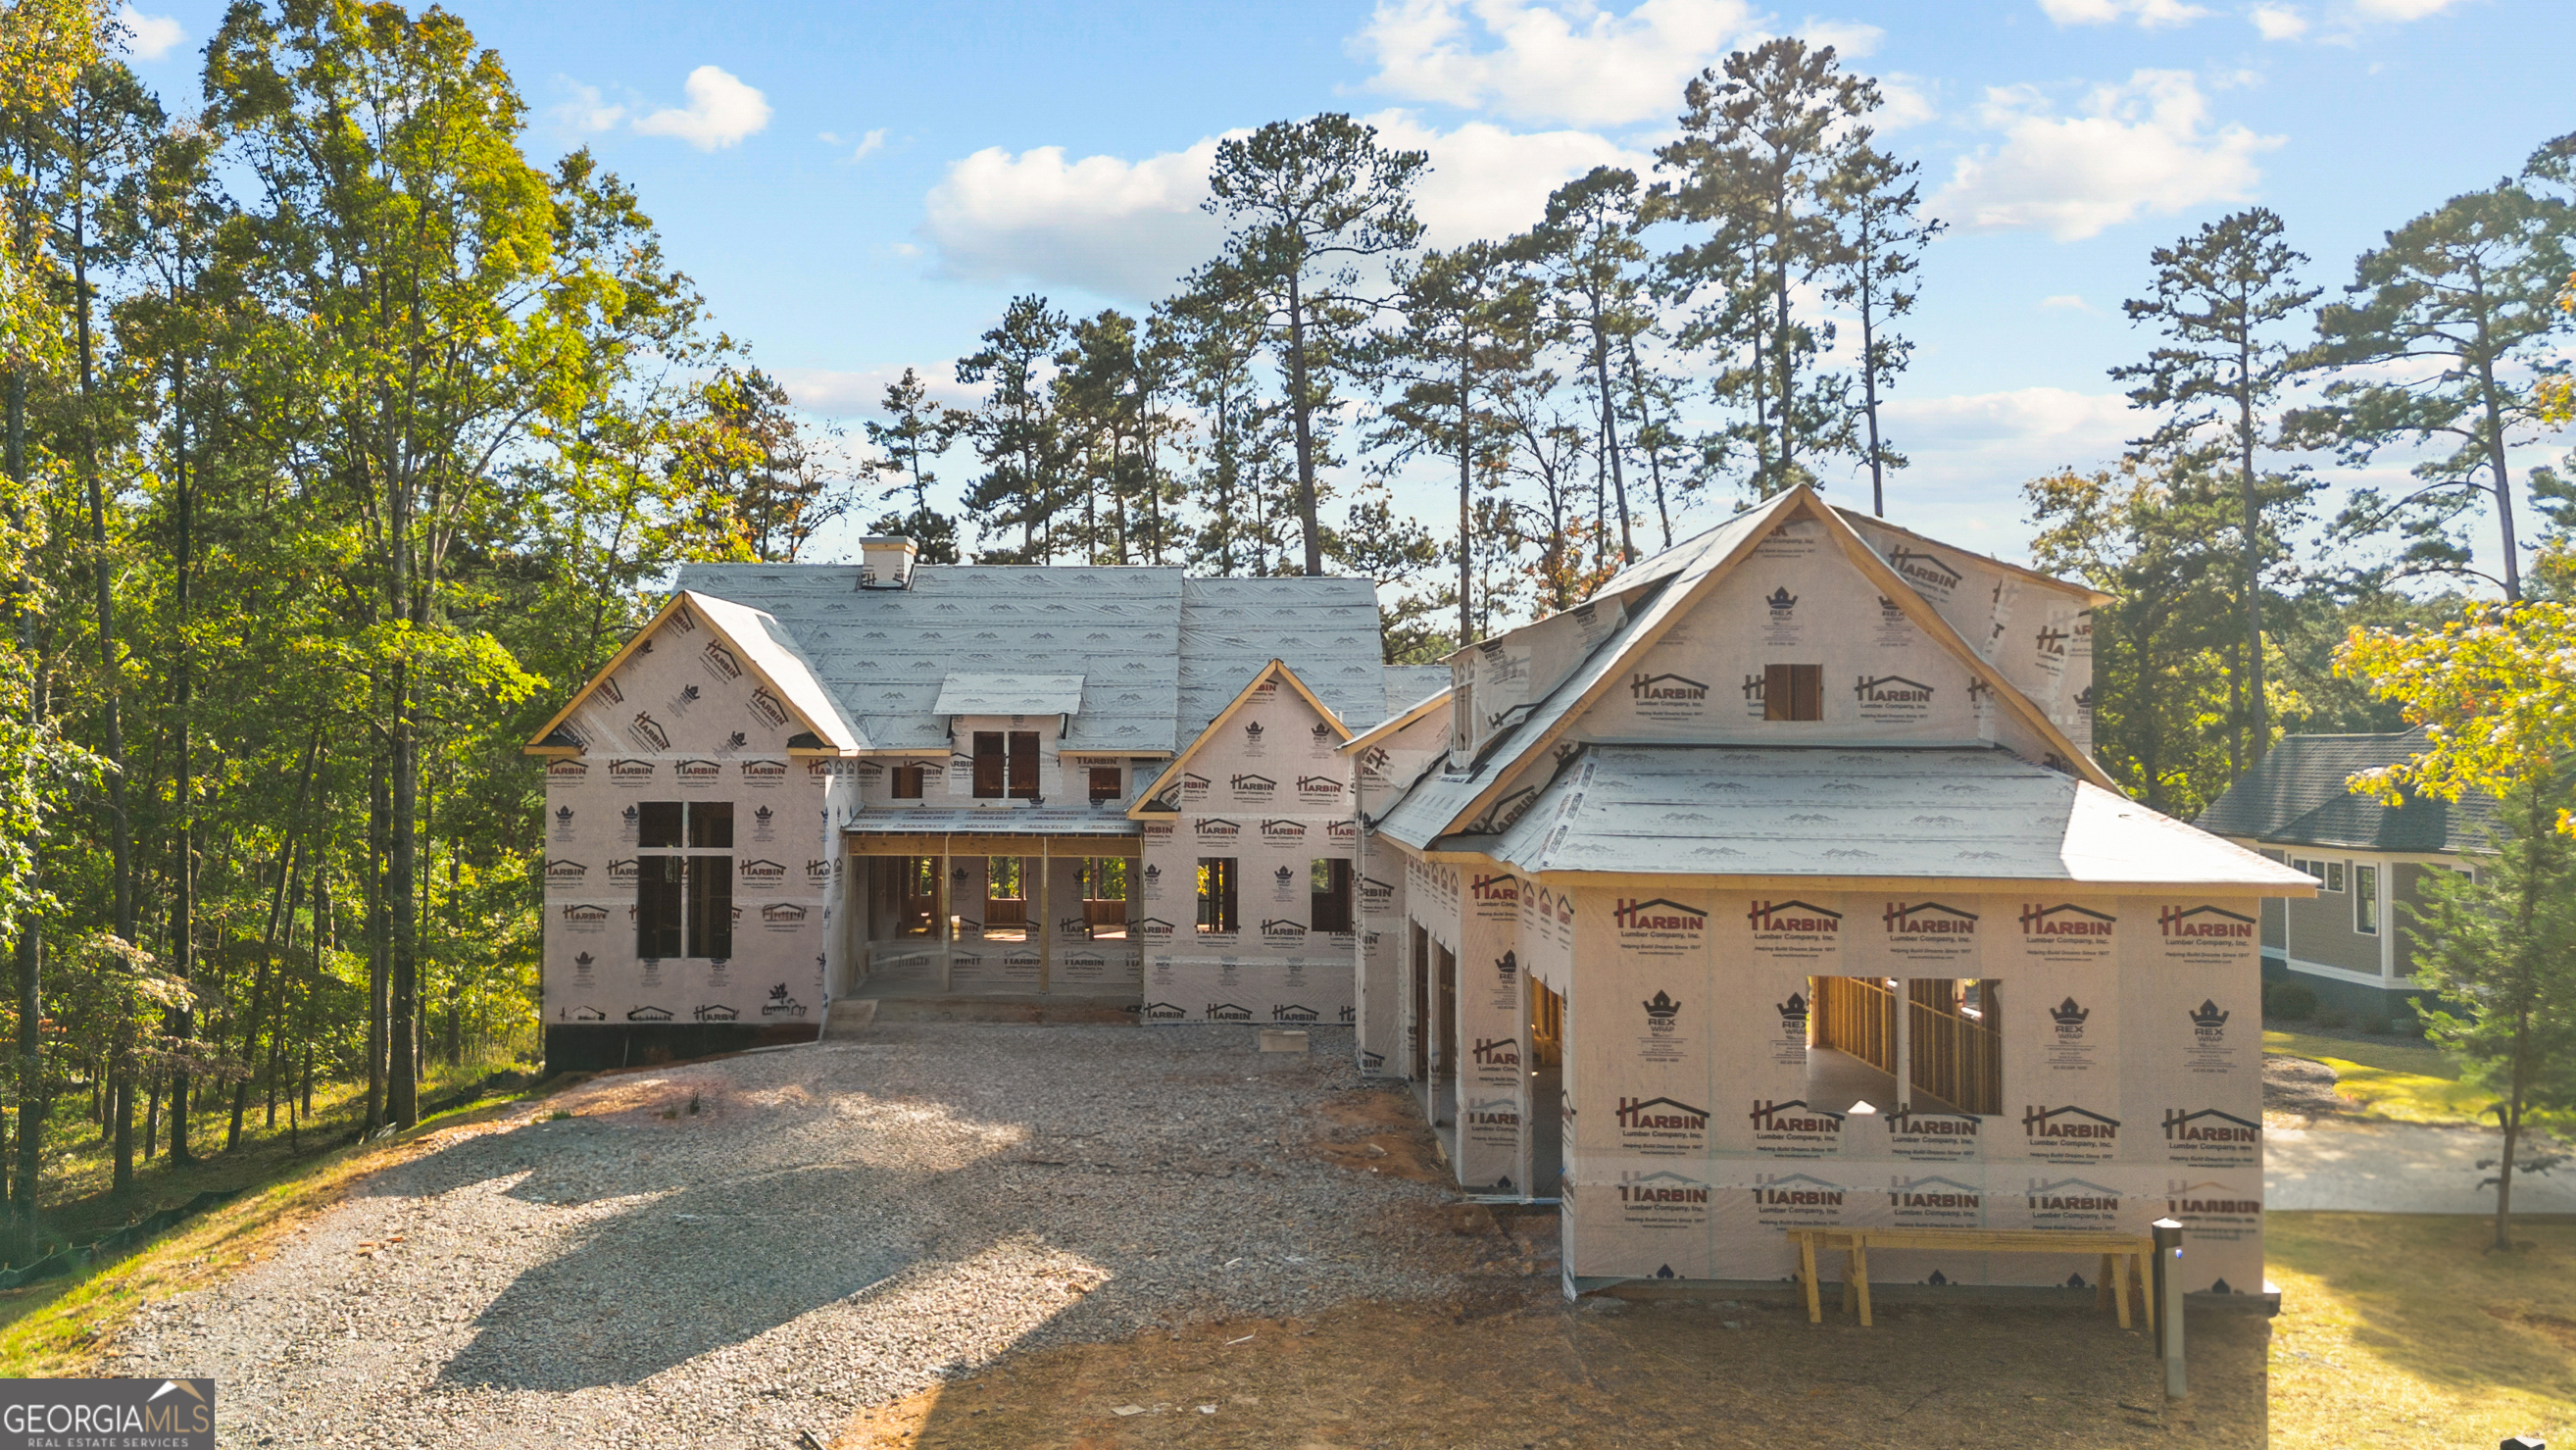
point(1038, 903)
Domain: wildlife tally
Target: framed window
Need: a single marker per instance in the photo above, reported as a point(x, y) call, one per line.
point(2365, 900)
point(1024, 765)
point(2334, 876)
point(907, 782)
point(1108, 783)
point(684, 904)
point(992, 766)
point(711, 825)
point(1793, 692)
point(1216, 894)
point(1331, 895)
point(2329, 874)
point(658, 823)
point(661, 893)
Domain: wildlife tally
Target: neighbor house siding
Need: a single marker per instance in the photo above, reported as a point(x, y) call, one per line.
point(2321, 932)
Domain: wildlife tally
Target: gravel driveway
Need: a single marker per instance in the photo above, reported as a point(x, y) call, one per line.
point(834, 1226)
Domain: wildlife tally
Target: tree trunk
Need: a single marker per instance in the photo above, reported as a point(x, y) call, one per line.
point(1869, 378)
point(1466, 496)
point(1297, 405)
point(1610, 433)
point(377, 1032)
point(2253, 523)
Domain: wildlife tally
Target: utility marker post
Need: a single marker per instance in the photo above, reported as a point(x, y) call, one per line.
point(2168, 1292)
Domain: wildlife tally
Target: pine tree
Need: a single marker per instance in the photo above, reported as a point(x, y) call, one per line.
point(1306, 202)
point(1875, 200)
point(1017, 432)
point(2221, 296)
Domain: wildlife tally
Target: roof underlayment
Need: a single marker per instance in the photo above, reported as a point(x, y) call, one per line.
point(1158, 654)
point(1951, 814)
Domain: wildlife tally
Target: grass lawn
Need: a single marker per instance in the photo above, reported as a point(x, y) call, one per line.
point(2399, 1331)
point(2406, 1082)
point(50, 1328)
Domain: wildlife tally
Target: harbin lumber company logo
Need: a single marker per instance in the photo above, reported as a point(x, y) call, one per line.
point(1658, 915)
point(1928, 918)
point(1793, 916)
point(2204, 922)
point(1643, 688)
point(2065, 920)
point(2069, 1124)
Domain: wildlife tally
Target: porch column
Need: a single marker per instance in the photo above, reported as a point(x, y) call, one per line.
point(947, 908)
point(1904, 1042)
point(1041, 931)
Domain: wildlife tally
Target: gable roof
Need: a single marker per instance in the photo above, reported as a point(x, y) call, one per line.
point(1945, 813)
point(1180, 764)
point(2296, 795)
point(765, 649)
point(1159, 653)
point(1658, 592)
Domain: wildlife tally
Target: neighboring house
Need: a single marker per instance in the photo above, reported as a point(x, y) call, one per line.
point(1773, 886)
point(2349, 942)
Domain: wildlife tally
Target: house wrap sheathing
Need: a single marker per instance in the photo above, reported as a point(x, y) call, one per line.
point(1708, 963)
point(1773, 886)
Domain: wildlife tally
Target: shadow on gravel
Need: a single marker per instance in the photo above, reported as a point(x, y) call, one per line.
point(777, 1204)
point(694, 1272)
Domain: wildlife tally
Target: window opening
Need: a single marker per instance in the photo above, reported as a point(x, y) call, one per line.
point(992, 769)
point(1330, 895)
point(907, 782)
point(1793, 692)
point(1024, 765)
point(2365, 900)
point(1217, 894)
point(1006, 900)
point(1108, 783)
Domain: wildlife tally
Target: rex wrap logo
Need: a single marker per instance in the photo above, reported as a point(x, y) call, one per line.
point(2208, 1023)
point(2067, 1019)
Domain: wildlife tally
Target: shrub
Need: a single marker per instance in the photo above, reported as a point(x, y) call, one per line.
point(2377, 1026)
point(2334, 1017)
point(2289, 1001)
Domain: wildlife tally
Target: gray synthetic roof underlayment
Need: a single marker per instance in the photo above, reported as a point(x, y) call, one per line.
point(2296, 795)
point(1158, 654)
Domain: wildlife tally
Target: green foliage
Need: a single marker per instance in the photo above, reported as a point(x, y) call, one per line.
point(2289, 1001)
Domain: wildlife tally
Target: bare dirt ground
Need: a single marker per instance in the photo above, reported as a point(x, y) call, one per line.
point(1001, 1236)
point(1533, 1371)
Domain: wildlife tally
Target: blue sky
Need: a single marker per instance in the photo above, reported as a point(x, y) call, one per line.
point(861, 187)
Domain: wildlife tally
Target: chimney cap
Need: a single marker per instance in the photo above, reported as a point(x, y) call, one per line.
point(885, 561)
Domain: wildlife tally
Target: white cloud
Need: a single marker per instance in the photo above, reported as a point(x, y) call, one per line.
point(1903, 101)
point(1851, 39)
point(861, 149)
point(855, 393)
point(1131, 229)
point(721, 111)
point(2401, 9)
point(2278, 22)
point(1108, 225)
point(149, 37)
point(1528, 61)
point(587, 111)
point(2149, 14)
point(2143, 145)
point(1489, 182)
point(2067, 301)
